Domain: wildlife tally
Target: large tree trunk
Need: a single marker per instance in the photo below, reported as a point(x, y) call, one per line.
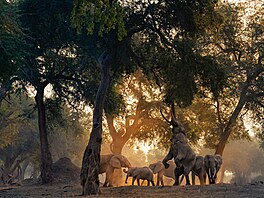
point(242, 101)
point(91, 158)
point(227, 130)
point(46, 160)
point(117, 146)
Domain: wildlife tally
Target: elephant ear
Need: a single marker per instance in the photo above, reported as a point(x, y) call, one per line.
point(199, 162)
point(206, 160)
point(115, 162)
point(219, 159)
point(158, 167)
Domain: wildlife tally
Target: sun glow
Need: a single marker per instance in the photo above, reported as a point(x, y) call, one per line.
point(145, 147)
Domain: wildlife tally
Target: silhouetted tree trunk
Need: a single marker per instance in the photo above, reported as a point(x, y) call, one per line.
point(227, 129)
point(46, 159)
point(91, 157)
point(242, 101)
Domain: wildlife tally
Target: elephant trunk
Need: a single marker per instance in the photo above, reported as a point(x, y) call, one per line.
point(164, 162)
point(212, 174)
point(126, 179)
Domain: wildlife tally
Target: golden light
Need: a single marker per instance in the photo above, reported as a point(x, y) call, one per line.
point(145, 147)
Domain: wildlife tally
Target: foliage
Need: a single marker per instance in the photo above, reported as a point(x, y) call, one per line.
point(19, 137)
point(12, 40)
point(100, 16)
point(15, 112)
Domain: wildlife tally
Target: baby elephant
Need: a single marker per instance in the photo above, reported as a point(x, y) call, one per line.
point(137, 173)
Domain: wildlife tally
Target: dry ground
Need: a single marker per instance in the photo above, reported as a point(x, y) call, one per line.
point(65, 171)
point(64, 190)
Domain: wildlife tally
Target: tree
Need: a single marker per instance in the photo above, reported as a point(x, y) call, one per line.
point(219, 117)
point(12, 39)
point(54, 61)
point(18, 136)
point(116, 26)
point(244, 46)
point(140, 119)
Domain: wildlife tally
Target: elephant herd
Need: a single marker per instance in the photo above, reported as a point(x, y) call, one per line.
point(184, 162)
point(202, 167)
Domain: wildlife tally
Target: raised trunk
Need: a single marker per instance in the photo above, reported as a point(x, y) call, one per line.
point(91, 157)
point(46, 160)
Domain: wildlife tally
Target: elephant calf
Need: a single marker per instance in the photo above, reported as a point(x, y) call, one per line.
point(137, 173)
point(159, 169)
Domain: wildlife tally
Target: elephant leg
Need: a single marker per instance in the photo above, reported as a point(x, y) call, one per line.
point(182, 177)
point(178, 172)
point(108, 176)
point(201, 178)
point(138, 182)
point(187, 179)
point(133, 180)
point(158, 179)
point(204, 178)
point(152, 182)
point(161, 180)
point(142, 182)
point(107, 179)
point(148, 183)
point(193, 178)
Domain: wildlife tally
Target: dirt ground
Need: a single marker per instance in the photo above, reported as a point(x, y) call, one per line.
point(69, 190)
point(65, 171)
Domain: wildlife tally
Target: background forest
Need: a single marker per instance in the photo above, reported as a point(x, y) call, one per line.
point(66, 66)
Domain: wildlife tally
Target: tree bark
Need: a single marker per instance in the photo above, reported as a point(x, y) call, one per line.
point(227, 130)
point(91, 158)
point(251, 76)
point(46, 159)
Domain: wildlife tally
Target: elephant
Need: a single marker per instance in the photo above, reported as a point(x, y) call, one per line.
point(212, 165)
point(110, 162)
point(199, 170)
point(219, 161)
point(159, 169)
point(183, 155)
point(137, 173)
